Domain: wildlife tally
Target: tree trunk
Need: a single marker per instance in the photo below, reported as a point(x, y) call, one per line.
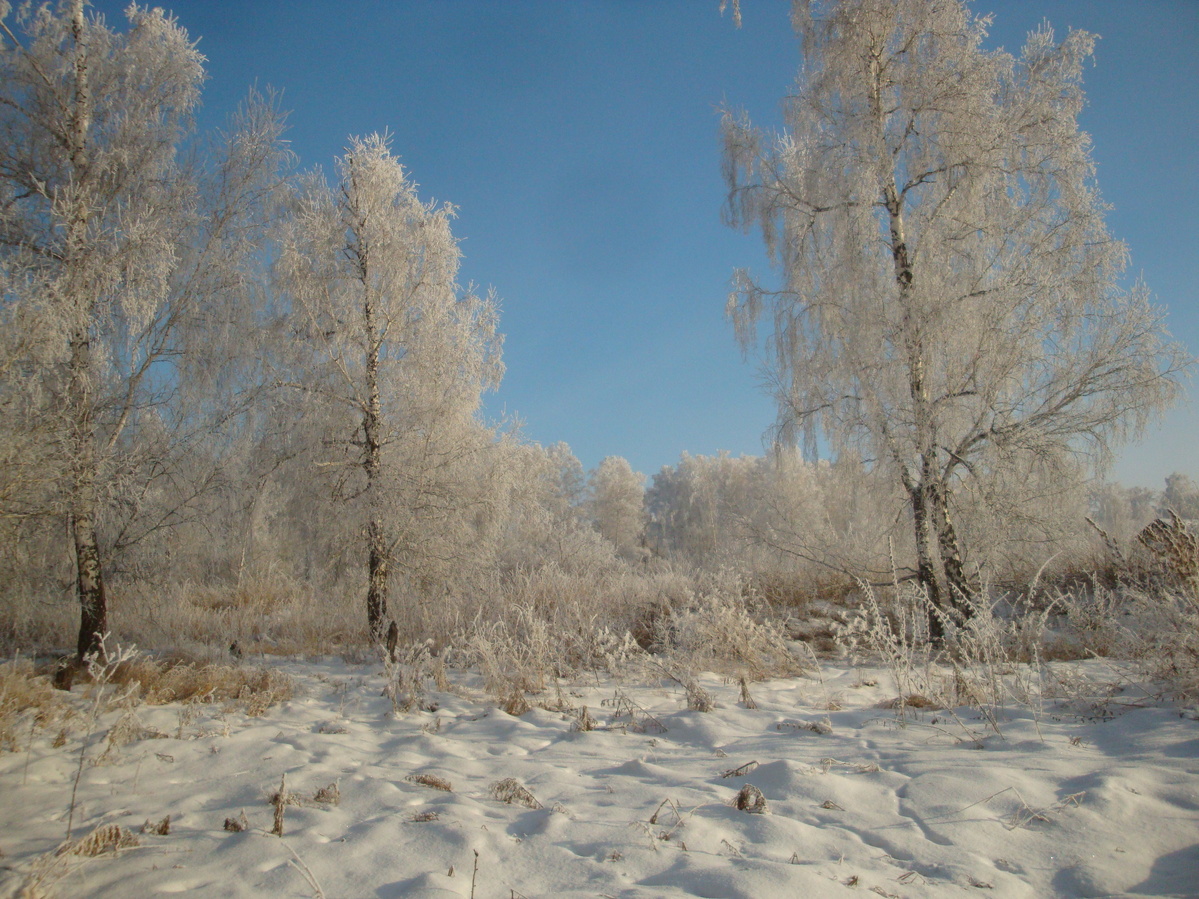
point(378, 552)
point(961, 587)
point(89, 578)
point(89, 586)
point(923, 493)
point(378, 571)
point(926, 566)
point(927, 505)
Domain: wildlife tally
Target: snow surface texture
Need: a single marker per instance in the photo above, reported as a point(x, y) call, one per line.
point(643, 805)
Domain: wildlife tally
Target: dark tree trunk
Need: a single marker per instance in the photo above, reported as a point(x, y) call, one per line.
point(378, 571)
point(378, 551)
point(961, 587)
point(926, 567)
point(93, 602)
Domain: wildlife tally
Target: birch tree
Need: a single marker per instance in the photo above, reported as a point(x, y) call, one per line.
point(398, 357)
point(618, 504)
point(116, 251)
point(950, 303)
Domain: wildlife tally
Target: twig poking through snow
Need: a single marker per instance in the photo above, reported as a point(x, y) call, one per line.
point(279, 801)
point(741, 770)
point(298, 863)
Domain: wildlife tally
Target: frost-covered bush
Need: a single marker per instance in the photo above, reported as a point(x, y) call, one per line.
point(1164, 637)
point(1158, 630)
point(533, 634)
point(895, 633)
point(723, 629)
point(984, 660)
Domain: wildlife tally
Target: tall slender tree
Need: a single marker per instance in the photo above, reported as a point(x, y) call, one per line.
point(396, 357)
point(115, 249)
point(950, 304)
point(618, 504)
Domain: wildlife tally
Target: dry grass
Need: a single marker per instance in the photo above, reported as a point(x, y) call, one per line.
point(432, 781)
point(800, 595)
point(128, 729)
point(750, 799)
point(698, 698)
point(583, 721)
point(639, 720)
point(264, 615)
point(911, 701)
point(107, 838)
point(330, 795)
point(516, 704)
point(747, 700)
point(1169, 553)
point(513, 792)
point(28, 702)
point(254, 690)
point(161, 828)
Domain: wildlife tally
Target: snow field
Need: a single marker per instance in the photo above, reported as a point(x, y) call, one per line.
point(1058, 804)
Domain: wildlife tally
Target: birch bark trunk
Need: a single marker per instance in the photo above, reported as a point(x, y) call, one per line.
point(89, 581)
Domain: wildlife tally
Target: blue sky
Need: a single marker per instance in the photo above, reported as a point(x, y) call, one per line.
point(579, 140)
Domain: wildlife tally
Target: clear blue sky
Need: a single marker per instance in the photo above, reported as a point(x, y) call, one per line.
point(579, 140)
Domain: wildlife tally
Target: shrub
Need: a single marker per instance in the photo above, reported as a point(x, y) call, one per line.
point(727, 629)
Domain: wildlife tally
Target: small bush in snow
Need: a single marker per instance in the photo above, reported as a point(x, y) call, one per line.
point(722, 629)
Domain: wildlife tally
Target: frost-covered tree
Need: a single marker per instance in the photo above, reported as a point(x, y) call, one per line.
point(1119, 511)
point(393, 362)
point(617, 504)
point(1181, 495)
point(570, 482)
point(123, 267)
point(950, 304)
point(772, 516)
point(539, 517)
point(696, 509)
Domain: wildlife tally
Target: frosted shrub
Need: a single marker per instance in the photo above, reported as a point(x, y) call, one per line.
point(1157, 630)
point(899, 640)
point(721, 629)
point(407, 673)
point(519, 652)
point(513, 658)
point(1092, 617)
point(996, 656)
point(1167, 642)
point(980, 663)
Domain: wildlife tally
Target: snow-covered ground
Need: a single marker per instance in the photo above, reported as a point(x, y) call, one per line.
point(1059, 803)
